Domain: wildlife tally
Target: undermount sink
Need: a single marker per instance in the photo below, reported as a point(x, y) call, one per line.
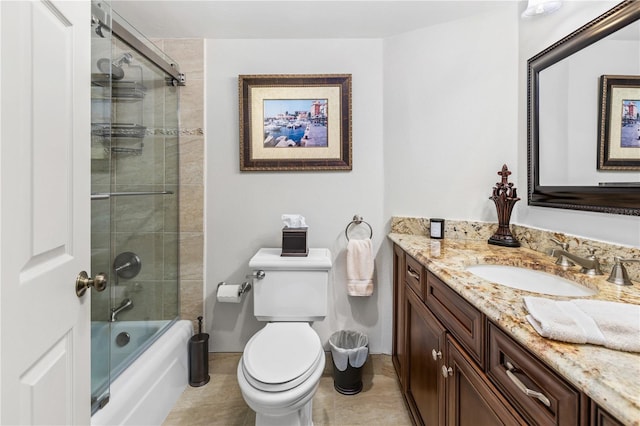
point(529, 280)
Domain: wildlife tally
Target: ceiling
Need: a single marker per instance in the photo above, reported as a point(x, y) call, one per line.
point(298, 19)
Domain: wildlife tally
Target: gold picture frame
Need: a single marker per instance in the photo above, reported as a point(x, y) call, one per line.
point(294, 122)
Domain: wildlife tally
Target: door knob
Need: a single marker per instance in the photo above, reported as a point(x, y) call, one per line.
point(83, 282)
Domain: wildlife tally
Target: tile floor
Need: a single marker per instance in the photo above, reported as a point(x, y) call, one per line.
point(220, 403)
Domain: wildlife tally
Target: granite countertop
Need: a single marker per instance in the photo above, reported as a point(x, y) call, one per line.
point(610, 378)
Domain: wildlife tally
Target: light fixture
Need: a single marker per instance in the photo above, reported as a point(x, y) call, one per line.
point(541, 7)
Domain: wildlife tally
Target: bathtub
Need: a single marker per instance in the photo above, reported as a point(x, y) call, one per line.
point(144, 392)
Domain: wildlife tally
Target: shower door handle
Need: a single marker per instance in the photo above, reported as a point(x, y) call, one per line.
point(83, 282)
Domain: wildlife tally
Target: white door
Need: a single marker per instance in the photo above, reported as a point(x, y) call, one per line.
point(44, 211)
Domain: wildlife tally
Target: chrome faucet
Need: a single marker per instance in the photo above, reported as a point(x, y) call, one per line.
point(126, 304)
point(590, 264)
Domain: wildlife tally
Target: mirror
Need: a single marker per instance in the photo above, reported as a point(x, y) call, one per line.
point(570, 121)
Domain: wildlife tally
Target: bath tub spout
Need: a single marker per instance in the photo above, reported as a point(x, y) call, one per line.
point(126, 304)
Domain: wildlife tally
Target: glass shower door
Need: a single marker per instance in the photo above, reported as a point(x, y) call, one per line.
point(101, 183)
point(134, 175)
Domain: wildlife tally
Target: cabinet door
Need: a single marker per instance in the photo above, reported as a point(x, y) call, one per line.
point(599, 417)
point(399, 301)
point(471, 399)
point(425, 346)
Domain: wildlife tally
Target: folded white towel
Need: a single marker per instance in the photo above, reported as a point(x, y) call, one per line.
point(610, 324)
point(360, 267)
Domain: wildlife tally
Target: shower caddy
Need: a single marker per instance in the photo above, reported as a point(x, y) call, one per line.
point(126, 138)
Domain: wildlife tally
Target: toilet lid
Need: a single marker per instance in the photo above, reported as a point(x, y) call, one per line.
point(281, 355)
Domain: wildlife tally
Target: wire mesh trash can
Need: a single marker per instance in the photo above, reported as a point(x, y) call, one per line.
point(349, 350)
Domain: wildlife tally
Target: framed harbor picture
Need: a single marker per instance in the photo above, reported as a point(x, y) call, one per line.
point(619, 123)
point(295, 122)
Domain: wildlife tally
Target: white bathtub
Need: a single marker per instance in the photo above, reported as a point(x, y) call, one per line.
point(145, 392)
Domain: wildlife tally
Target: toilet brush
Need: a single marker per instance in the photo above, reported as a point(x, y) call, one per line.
point(199, 357)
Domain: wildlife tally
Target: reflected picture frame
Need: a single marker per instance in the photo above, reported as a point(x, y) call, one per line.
point(295, 122)
point(619, 123)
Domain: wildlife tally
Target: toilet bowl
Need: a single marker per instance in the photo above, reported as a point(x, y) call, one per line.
point(282, 363)
point(279, 373)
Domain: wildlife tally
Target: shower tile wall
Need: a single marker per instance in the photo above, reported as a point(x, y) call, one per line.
point(147, 225)
point(189, 53)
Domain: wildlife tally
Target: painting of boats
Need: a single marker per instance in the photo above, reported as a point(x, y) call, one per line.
point(295, 123)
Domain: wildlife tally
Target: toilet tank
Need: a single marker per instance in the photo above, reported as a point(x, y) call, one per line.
point(293, 288)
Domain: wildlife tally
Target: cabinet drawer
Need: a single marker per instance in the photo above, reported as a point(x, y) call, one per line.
point(512, 368)
point(414, 275)
point(464, 321)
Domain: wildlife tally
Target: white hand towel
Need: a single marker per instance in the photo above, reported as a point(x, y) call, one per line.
point(360, 267)
point(610, 324)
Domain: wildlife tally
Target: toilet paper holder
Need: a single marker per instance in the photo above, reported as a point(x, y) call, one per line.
point(244, 287)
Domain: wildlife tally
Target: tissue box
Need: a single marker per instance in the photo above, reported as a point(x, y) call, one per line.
point(294, 242)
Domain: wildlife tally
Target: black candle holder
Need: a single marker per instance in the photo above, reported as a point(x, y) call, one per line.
point(505, 197)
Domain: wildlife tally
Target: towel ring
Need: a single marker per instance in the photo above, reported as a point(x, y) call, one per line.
point(357, 220)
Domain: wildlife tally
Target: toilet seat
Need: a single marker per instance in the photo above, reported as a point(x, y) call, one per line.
point(281, 356)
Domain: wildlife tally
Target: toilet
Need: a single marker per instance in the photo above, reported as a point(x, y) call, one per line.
point(281, 365)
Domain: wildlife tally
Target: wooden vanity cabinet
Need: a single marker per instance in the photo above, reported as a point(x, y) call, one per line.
point(438, 334)
point(425, 346)
point(399, 301)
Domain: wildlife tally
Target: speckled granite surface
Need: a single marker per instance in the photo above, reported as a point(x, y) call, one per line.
point(611, 378)
point(535, 239)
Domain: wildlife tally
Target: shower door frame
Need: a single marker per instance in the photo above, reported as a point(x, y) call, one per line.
point(126, 36)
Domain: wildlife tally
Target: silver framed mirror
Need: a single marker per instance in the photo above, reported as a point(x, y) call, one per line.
point(564, 121)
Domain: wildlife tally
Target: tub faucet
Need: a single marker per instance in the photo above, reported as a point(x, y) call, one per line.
point(590, 264)
point(126, 304)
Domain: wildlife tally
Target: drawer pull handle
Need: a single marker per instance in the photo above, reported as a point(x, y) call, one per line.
point(523, 388)
point(413, 273)
point(447, 371)
point(436, 354)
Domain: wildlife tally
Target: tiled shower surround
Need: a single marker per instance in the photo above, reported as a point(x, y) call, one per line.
point(189, 53)
point(145, 225)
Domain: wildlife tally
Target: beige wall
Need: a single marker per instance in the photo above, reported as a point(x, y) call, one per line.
point(189, 54)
